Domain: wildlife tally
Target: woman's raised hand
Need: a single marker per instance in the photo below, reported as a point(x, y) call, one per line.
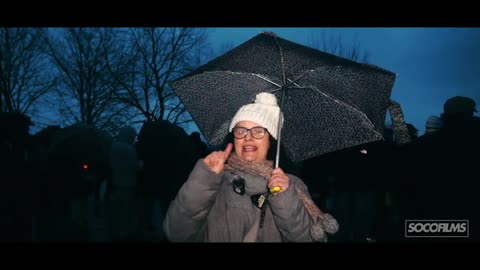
point(215, 161)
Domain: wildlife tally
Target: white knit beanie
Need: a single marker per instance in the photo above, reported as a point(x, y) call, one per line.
point(265, 112)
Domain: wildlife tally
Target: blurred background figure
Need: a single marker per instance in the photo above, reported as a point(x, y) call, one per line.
point(448, 191)
point(412, 131)
point(459, 105)
point(78, 164)
point(168, 157)
point(458, 117)
point(123, 207)
point(199, 147)
point(434, 123)
point(15, 190)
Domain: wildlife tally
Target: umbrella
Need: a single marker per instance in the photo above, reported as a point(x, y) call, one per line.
point(328, 102)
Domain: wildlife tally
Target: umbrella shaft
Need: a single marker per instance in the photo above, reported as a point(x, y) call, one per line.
point(277, 157)
point(279, 129)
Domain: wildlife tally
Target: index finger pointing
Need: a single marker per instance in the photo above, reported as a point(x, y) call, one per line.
point(228, 150)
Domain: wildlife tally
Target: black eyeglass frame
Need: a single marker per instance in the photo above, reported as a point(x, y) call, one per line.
point(247, 130)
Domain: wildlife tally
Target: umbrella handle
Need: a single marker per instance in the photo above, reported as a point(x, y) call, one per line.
point(276, 189)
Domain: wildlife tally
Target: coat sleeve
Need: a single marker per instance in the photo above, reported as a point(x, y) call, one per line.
point(290, 214)
point(187, 215)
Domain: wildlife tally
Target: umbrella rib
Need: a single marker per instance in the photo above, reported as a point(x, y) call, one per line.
point(294, 83)
point(266, 79)
point(272, 82)
point(263, 78)
point(315, 89)
point(300, 76)
point(348, 105)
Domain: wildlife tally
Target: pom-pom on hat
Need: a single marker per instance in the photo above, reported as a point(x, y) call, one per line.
point(264, 111)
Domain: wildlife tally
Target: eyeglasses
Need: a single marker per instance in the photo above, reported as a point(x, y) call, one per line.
point(256, 132)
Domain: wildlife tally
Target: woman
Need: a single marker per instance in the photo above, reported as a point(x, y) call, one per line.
point(226, 197)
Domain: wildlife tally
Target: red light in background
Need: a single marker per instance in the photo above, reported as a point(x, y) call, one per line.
point(85, 166)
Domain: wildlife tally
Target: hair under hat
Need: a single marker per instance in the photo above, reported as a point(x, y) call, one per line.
point(264, 111)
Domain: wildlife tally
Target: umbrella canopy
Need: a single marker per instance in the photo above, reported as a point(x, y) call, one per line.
point(329, 103)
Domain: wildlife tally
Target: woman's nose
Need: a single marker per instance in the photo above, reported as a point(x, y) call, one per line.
point(249, 136)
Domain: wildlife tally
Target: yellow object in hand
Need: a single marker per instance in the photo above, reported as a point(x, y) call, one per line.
point(275, 189)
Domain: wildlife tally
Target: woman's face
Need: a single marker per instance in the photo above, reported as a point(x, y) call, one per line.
point(250, 148)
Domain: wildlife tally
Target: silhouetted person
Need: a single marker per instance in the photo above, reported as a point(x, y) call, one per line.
point(412, 131)
point(38, 166)
point(16, 185)
point(78, 162)
point(199, 147)
point(444, 184)
point(123, 210)
point(168, 158)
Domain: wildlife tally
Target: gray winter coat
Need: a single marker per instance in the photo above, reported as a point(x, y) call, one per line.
point(207, 209)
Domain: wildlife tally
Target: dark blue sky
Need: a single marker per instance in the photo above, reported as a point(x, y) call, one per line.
point(432, 64)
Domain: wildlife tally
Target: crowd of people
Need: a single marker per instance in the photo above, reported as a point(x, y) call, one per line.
point(58, 183)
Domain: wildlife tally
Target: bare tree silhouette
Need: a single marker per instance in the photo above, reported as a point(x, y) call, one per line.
point(23, 76)
point(157, 56)
point(86, 87)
